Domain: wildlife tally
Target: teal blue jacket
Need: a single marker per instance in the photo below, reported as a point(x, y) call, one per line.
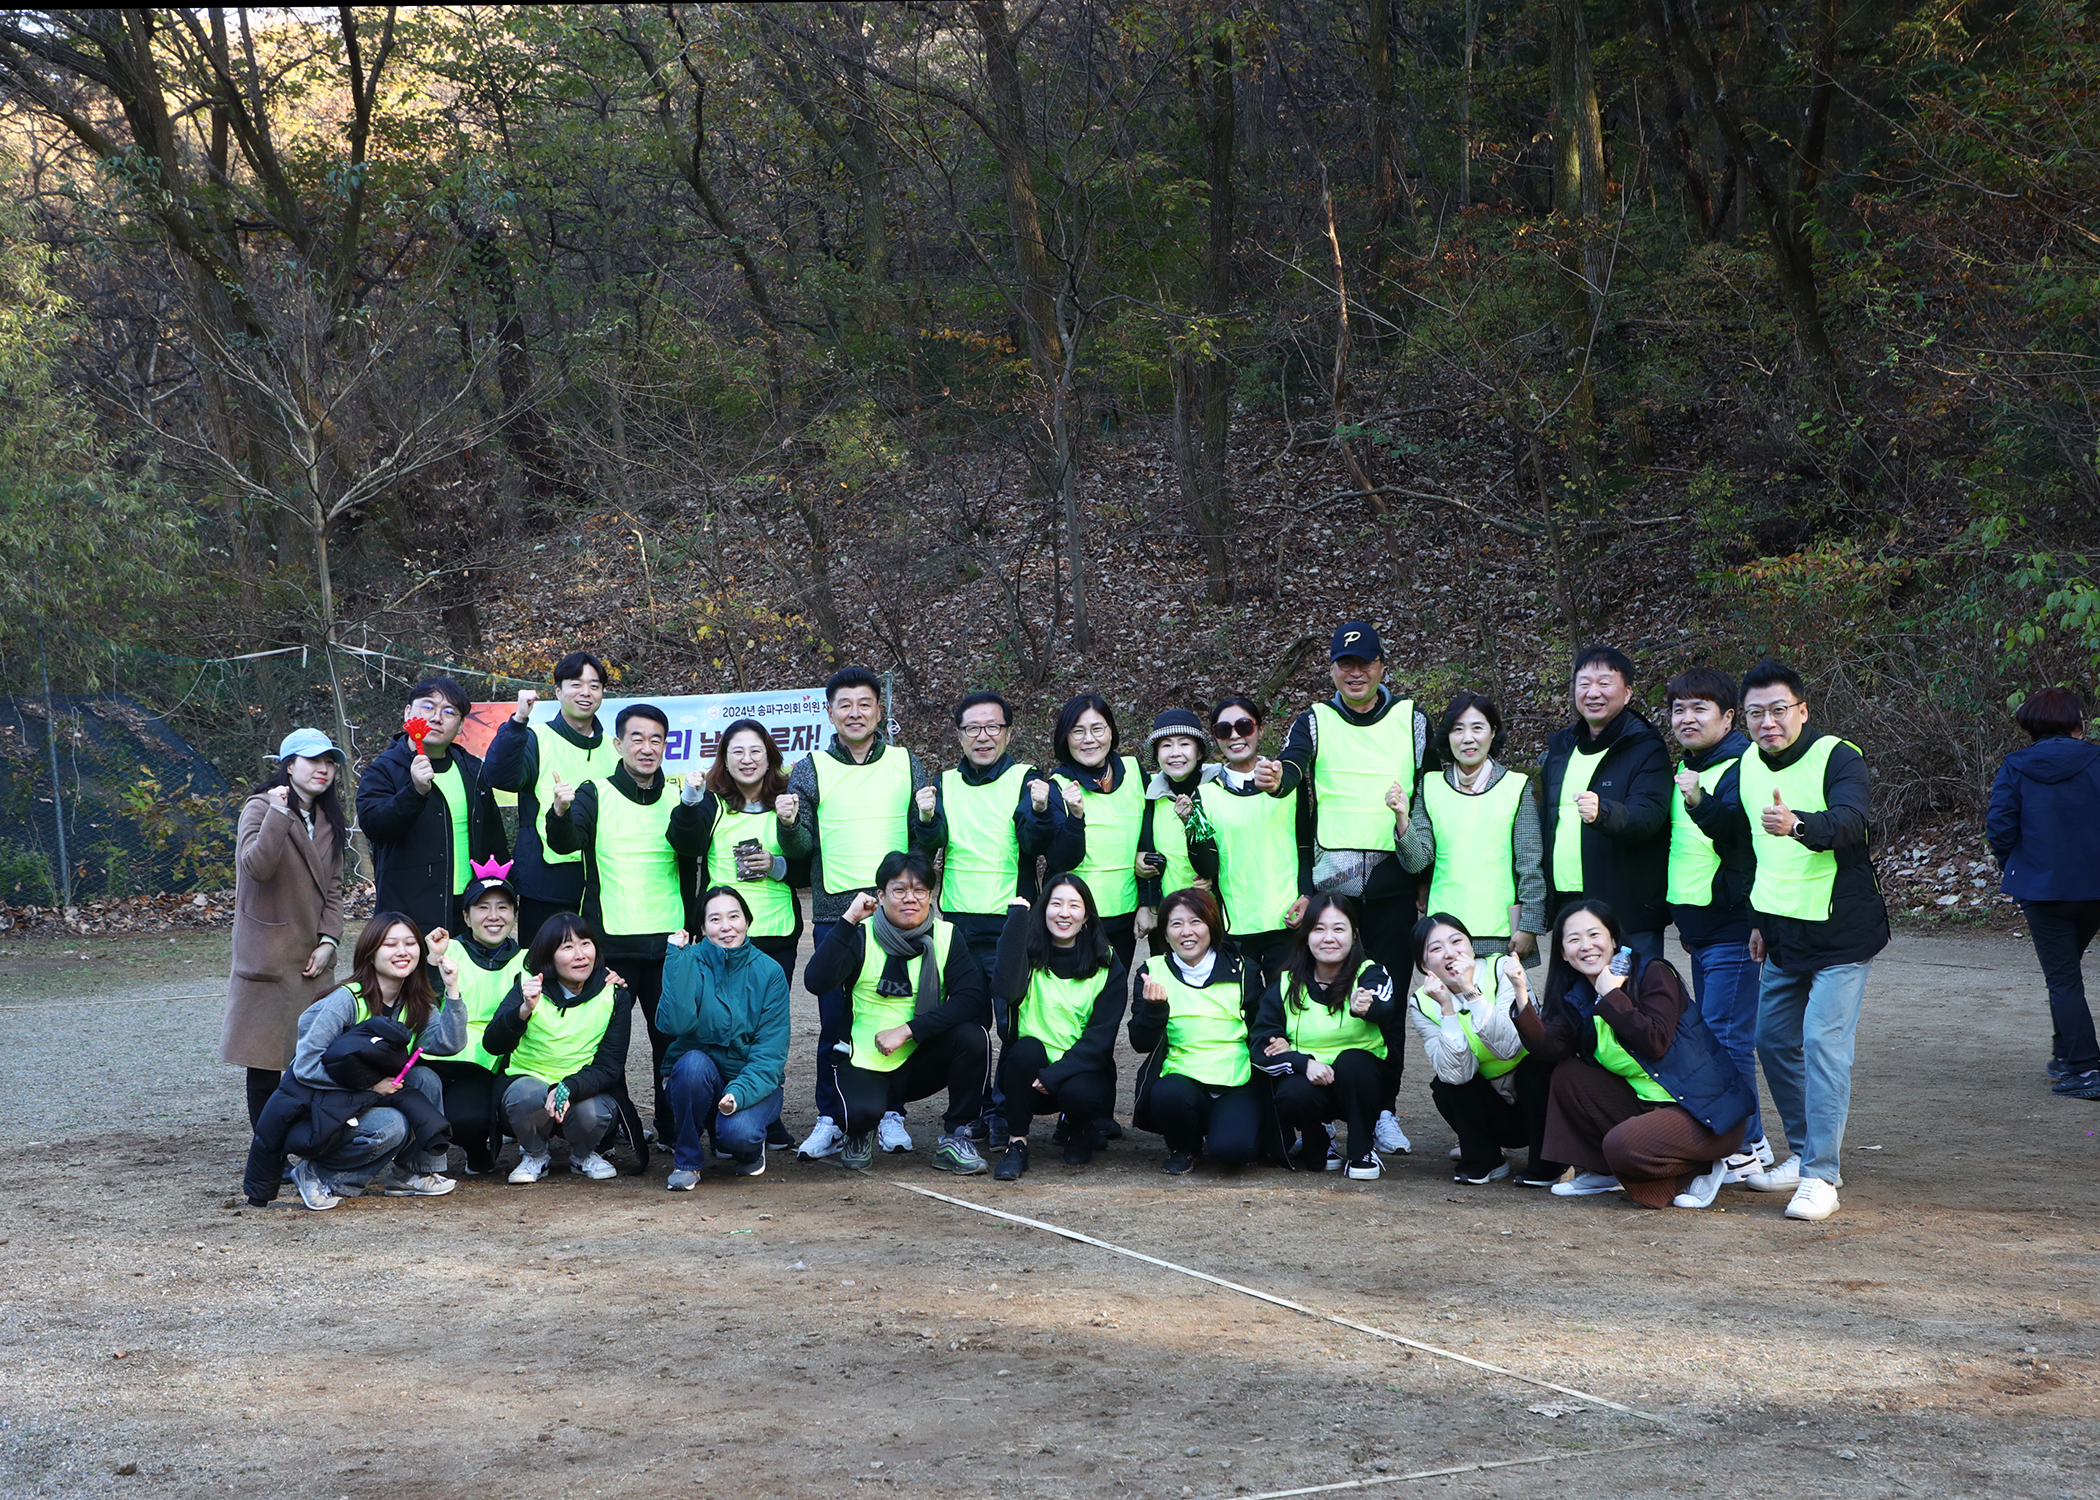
point(732, 1004)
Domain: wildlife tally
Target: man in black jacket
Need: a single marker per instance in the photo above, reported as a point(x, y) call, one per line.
point(1605, 807)
point(426, 813)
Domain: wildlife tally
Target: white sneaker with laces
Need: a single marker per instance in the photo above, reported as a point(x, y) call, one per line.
point(419, 1185)
point(824, 1139)
point(1365, 1169)
point(1783, 1178)
point(890, 1133)
point(1389, 1137)
point(1705, 1187)
point(529, 1169)
point(1813, 1199)
point(593, 1166)
point(1587, 1185)
point(1756, 1157)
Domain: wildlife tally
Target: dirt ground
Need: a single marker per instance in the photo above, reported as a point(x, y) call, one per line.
point(817, 1333)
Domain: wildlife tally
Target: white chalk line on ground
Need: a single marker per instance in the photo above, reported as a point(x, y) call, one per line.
point(1500, 1463)
point(1283, 1302)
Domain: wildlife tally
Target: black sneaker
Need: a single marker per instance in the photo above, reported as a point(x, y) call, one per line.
point(1063, 1132)
point(1178, 1163)
point(777, 1137)
point(1107, 1128)
point(976, 1131)
point(1013, 1164)
point(1079, 1150)
point(2057, 1068)
point(1482, 1179)
point(2078, 1085)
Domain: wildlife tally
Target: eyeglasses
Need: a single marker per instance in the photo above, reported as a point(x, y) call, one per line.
point(981, 731)
point(1233, 729)
point(439, 712)
point(1775, 712)
point(1091, 732)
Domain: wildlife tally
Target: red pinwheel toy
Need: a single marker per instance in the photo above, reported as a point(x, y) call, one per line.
point(416, 728)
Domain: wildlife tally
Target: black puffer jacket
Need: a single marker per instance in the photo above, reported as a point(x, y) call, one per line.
point(411, 834)
point(1626, 852)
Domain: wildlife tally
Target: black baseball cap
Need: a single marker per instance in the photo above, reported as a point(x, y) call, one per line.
point(1355, 638)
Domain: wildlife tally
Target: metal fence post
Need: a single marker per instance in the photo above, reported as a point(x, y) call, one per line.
point(58, 798)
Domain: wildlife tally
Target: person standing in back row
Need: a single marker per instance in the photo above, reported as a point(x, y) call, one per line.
point(860, 799)
point(1605, 808)
point(426, 814)
point(525, 758)
point(1252, 842)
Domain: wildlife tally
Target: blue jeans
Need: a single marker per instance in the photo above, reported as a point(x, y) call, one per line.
point(1805, 1027)
point(375, 1140)
point(695, 1087)
point(1725, 980)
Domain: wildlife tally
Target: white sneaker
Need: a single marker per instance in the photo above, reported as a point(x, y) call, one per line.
point(891, 1135)
point(1364, 1168)
point(1814, 1199)
point(1334, 1156)
point(1587, 1185)
point(1389, 1137)
point(1783, 1178)
point(529, 1169)
point(1705, 1187)
point(1756, 1157)
point(1458, 1153)
point(419, 1185)
point(824, 1139)
point(594, 1166)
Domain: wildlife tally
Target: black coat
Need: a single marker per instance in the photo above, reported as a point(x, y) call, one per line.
point(411, 834)
point(305, 1121)
point(1626, 852)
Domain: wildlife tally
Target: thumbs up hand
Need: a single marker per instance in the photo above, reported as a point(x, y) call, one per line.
point(1778, 819)
point(564, 794)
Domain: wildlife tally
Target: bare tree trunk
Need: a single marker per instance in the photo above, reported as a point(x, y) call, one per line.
point(1009, 138)
point(1465, 107)
point(1578, 200)
point(1203, 377)
point(1338, 387)
point(1065, 457)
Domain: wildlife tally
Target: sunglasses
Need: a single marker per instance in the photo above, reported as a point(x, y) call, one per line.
point(1234, 729)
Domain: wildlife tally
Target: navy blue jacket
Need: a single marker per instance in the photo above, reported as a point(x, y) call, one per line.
point(411, 834)
point(2044, 822)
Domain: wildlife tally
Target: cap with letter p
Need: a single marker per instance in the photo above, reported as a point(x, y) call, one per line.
point(1356, 638)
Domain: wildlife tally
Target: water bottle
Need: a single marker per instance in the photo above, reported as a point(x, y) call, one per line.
point(1622, 962)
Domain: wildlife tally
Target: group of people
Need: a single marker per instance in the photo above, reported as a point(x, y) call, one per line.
point(975, 932)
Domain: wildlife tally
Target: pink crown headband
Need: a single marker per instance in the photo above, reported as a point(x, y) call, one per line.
point(491, 869)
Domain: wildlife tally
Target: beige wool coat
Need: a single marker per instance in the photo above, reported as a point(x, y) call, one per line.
point(287, 896)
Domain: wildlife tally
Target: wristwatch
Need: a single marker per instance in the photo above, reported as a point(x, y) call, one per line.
point(1800, 827)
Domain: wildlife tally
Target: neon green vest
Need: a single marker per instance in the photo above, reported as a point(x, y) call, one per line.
point(1792, 881)
point(575, 765)
point(1257, 855)
point(637, 867)
point(1567, 822)
point(453, 787)
point(1326, 1034)
point(480, 992)
point(1170, 840)
point(1491, 1066)
point(1475, 875)
point(1693, 859)
point(772, 902)
point(863, 813)
point(1113, 823)
point(1354, 767)
point(1206, 1029)
point(1055, 1011)
point(982, 871)
point(873, 1012)
point(1614, 1058)
point(559, 1042)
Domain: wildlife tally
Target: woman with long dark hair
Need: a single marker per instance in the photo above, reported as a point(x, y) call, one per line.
point(287, 909)
point(1643, 1098)
point(739, 823)
point(1321, 1036)
point(1064, 989)
point(1197, 1086)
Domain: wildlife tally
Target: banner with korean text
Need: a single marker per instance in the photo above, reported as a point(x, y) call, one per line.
point(794, 717)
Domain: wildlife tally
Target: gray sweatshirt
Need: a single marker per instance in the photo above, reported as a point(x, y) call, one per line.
point(1527, 846)
point(1450, 1055)
point(337, 1011)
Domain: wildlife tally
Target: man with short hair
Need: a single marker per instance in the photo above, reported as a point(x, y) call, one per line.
point(424, 810)
point(525, 757)
point(860, 799)
point(1604, 811)
point(998, 817)
point(1709, 881)
point(637, 888)
point(1816, 921)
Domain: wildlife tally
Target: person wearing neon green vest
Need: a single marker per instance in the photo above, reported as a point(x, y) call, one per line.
point(1064, 990)
point(1322, 1036)
point(1490, 1091)
point(1253, 842)
point(1604, 803)
point(859, 799)
point(638, 887)
point(489, 959)
point(1198, 1086)
point(1710, 873)
point(563, 1031)
point(525, 757)
point(1353, 756)
point(1104, 797)
point(425, 812)
point(1475, 828)
point(725, 1008)
point(915, 1016)
point(1816, 921)
point(1643, 1100)
point(1177, 743)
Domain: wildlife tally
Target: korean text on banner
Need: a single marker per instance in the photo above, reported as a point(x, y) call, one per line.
point(794, 718)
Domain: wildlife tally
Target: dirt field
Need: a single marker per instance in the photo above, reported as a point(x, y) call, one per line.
point(815, 1333)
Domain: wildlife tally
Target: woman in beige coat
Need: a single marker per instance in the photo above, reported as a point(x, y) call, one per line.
point(287, 910)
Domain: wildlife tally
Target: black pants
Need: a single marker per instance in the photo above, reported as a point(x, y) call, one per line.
point(533, 914)
point(1267, 951)
point(782, 951)
point(1087, 1094)
point(1488, 1124)
point(1388, 928)
point(1353, 1097)
point(474, 1105)
point(1199, 1119)
point(2063, 930)
point(957, 1060)
point(262, 1083)
point(645, 981)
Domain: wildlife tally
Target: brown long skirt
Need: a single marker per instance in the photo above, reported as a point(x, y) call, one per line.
point(1595, 1120)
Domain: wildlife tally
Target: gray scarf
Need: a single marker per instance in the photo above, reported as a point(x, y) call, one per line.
point(910, 943)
